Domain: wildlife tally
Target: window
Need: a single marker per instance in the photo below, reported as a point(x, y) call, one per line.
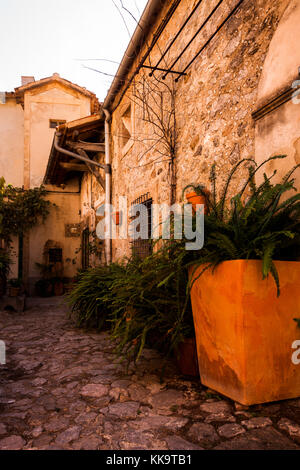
point(55, 255)
point(143, 247)
point(53, 123)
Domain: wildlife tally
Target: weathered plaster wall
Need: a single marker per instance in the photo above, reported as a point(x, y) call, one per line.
point(283, 58)
point(86, 196)
point(214, 102)
point(278, 133)
point(11, 142)
point(52, 101)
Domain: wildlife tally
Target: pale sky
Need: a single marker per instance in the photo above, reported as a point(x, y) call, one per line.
point(40, 37)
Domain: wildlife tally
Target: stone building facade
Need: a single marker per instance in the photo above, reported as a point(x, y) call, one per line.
point(235, 100)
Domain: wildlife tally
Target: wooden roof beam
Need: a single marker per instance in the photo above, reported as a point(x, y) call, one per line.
point(86, 146)
point(73, 166)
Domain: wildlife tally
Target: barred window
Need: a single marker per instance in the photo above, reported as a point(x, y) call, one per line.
point(143, 247)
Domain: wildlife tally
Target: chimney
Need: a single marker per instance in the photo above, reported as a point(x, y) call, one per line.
point(26, 79)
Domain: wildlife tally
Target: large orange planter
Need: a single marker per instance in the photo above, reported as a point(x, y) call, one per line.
point(245, 333)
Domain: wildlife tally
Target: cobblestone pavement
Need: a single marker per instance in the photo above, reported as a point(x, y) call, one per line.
point(63, 389)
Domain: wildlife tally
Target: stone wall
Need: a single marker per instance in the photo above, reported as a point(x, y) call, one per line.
point(214, 103)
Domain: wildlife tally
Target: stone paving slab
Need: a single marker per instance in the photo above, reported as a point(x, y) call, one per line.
point(63, 388)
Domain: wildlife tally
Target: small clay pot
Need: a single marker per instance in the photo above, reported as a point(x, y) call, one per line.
point(194, 199)
point(13, 291)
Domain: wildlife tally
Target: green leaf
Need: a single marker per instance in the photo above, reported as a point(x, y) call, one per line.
point(267, 259)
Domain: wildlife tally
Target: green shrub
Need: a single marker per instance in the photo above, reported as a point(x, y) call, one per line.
point(144, 302)
point(89, 300)
point(150, 305)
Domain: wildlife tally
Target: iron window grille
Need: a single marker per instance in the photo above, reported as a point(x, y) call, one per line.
point(143, 247)
point(55, 255)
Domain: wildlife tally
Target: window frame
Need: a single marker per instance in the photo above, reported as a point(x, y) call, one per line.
point(57, 122)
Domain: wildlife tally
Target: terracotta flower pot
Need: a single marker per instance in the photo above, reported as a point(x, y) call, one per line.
point(116, 218)
point(13, 291)
point(187, 357)
point(245, 334)
point(194, 199)
point(58, 288)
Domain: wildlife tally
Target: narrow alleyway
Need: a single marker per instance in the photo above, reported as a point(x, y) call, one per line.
point(61, 388)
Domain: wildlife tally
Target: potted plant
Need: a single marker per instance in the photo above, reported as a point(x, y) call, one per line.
point(245, 289)
point(58, 286)
point(14, 287)
point(199, 195)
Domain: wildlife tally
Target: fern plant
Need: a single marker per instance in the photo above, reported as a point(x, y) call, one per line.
point(88, 300)
point(142, 301)
point(198, 188)
point(259, 222)
point(150, 305)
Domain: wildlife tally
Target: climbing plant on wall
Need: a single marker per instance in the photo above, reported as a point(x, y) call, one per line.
point(21, 209)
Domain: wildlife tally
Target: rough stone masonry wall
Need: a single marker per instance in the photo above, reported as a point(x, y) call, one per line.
point(214, 102)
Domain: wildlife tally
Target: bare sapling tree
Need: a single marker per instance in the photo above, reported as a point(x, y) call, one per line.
point(154, 102)
point(155, 114)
